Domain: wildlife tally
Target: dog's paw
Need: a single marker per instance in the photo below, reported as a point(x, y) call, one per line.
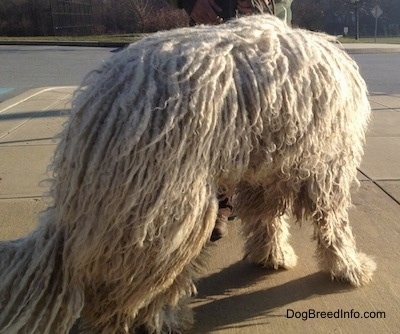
point(274, 258)
point(356, 274)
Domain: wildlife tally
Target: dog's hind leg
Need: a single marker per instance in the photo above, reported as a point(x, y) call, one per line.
point(266, 229)
point(336, 247)
point(168, 311)
point(159, 274)
point(267, 243)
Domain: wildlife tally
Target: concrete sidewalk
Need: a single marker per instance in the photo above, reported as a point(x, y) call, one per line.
point(235, 297)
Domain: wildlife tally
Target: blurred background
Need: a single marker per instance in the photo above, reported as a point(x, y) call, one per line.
point(353, 18)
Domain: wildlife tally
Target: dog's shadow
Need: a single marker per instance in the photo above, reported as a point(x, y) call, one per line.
point(221, 307)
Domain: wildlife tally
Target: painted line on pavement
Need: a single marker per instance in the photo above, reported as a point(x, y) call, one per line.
point(33, 95)
point(48, 107)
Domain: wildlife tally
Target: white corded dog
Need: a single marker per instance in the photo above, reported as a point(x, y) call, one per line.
point(274, 114)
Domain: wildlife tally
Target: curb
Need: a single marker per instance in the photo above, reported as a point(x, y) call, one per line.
point(69, 43)
point(363, 48)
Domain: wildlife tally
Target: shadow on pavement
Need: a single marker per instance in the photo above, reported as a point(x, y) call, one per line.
point(218, 311)
point(35, 114)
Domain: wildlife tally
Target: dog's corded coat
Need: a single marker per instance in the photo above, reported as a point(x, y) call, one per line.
point(275, 114)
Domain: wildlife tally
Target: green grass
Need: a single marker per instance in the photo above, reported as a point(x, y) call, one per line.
point(130, 38)
point(121, 38)
point(380, 40)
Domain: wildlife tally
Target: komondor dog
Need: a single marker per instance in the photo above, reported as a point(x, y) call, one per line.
point(275, 115)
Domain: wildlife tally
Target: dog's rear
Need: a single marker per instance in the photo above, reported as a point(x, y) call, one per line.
point(274, 113)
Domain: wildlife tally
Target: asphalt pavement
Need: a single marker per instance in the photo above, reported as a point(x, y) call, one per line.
point(235, 297)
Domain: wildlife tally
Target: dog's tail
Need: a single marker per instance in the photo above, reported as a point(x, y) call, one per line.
point(36, 295)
